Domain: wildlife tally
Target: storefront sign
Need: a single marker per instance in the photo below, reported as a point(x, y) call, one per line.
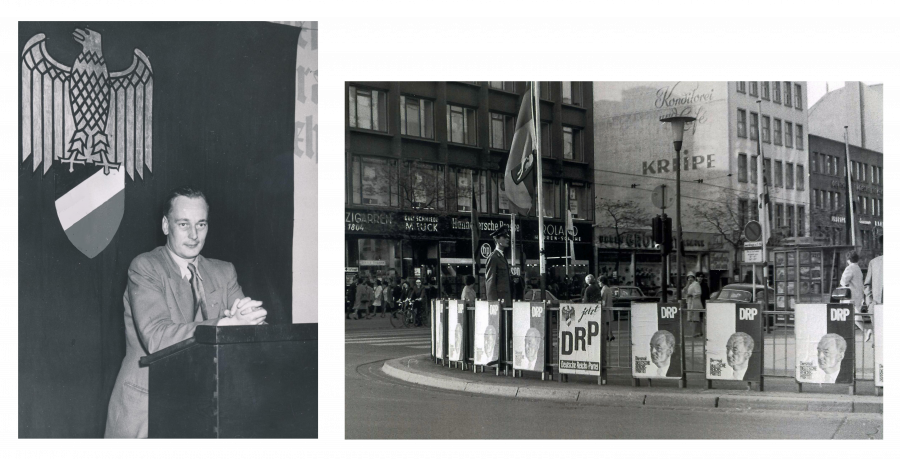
point(528, 336)
point(753, 256)
point(718, 261)
point(372, 263)
point(733, 345)
point(579, 339)
point(825, 343)
point(487, 332)
point(486, 250)
point(643, 240)
point(556, 232)
point(656, 341)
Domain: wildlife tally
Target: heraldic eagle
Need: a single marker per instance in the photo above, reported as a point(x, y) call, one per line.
point(83, 114)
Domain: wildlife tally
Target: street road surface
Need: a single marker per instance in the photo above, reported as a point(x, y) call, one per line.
point(378, 406)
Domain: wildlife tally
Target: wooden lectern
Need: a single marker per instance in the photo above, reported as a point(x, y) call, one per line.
point(231, 382)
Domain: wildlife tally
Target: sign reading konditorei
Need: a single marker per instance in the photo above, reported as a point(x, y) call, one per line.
point(456, 316)
point(878, 324)
point(656, 341)
point(528, 336)
point(825, 343)
point(733, 345)
point(487, 332)
point(579, 339)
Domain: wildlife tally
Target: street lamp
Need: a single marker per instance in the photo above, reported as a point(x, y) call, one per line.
point(677, 123)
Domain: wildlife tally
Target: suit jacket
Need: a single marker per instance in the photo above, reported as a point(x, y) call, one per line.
point(496, 278)
point(874, 284)
point(159, 312)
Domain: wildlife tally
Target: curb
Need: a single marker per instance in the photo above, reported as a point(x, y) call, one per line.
point(397, 369)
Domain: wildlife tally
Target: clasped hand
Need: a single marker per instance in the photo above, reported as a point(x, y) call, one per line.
point(244, 311)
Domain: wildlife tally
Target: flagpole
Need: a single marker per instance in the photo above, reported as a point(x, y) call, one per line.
point(536, 118)
point(568, 221)
point(476, 235)
point(850, 189)
point(763, 206)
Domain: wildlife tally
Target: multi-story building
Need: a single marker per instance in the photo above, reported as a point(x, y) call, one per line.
point(417, 153)
point(829, 195)
point(635, 155)
point(856, 105)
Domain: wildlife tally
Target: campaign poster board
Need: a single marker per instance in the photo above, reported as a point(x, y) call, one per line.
point(580, 339)
point(733, 343)
point(433, 326)
point(456, 319)
point(528, 336)
point(487, 332)
point(825, 343)
point(656, 341)
point(439, 330)
point(878, 324)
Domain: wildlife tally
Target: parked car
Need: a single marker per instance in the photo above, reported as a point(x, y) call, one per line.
point(534, 294)
point(743, 293)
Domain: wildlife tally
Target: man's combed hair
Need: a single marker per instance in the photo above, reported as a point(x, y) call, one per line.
point(186, 191)
point(743, 337)
point(853, 257)
point(839, 341)
point(667, 335)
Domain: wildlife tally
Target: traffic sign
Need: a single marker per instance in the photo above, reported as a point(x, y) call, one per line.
point(486, 250)
point(753, 231)
point(754, 244)
point(753, 256)
point(663, 197)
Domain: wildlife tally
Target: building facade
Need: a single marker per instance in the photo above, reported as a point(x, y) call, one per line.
point(718, 163)
point(419, 155)
point(829, 195)
point(856, 105)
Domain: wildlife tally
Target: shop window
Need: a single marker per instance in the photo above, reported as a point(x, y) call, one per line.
point(423, 187)
point(464, 187)
point(374, 182)
point(499, 202)
point(368, 109)
point(379, 258)
point(461, 125)
point(580, 201)
point(416, 117)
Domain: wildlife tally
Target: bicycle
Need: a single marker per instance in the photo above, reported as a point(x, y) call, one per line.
point(405, 316)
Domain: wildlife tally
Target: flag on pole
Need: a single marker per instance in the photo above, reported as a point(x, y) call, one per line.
point(519, 178)
point(762, 189)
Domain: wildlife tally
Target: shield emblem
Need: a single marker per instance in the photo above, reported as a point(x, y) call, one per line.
point(97, 123)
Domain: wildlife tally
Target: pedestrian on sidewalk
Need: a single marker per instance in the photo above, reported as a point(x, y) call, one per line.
point(693, 294)
point(388, 295)
point(468, 292)
point(350, 301)
point(592, 292)
point(852, 278)
point(606, 301)
point(378, 298)
point(874, 283)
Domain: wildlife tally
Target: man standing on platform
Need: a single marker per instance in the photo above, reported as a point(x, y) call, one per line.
point(171, 290)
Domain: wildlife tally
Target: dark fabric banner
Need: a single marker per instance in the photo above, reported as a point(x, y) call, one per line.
point(222, 119)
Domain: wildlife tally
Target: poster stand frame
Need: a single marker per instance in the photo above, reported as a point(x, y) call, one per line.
point(682, 382)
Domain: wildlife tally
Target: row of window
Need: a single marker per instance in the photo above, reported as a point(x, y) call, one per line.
point(859, 171)
point(572, 91)
point(831, 200)
point(415, 185)
point(781, 215)
point(761, 89)
point(791, 137)
point(783, 173)
point(368, 111)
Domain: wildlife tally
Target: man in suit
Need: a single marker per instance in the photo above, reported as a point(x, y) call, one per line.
point(874, 283)
point(496, 269)
point(171, 290)
point(738, 351)
point(662, 346)
point(830, 352)
point(496, 279)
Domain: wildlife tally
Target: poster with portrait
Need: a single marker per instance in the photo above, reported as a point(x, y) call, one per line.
point(733, 343)
point(579, 339)
point(825, 343)
point(456, 319)
point(656, 341)
point(878, 324)
point(439, 329)
point(528, 336)
point(487, 332)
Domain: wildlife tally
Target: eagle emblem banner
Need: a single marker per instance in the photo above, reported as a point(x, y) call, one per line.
point(97, 124)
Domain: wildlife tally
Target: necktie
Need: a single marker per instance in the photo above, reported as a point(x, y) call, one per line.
point(199, 293)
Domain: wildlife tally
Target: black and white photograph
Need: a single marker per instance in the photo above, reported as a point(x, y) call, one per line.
point(626, 205)
point(165, 289)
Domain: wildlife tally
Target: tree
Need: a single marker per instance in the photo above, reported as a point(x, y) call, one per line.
point(723, 216)
point(622, 216)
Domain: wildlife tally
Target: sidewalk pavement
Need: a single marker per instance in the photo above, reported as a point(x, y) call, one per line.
point(421, 369)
